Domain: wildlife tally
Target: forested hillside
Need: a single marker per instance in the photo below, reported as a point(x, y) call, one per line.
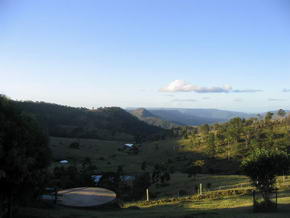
point(109, 123)
point(239, 137)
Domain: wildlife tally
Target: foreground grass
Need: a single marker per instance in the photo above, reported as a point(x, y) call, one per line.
point(228, 207)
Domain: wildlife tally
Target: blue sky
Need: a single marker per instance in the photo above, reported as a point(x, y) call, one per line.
point(222, 54)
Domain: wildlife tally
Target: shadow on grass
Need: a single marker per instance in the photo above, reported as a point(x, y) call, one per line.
point(236, 212)
point(179, 210)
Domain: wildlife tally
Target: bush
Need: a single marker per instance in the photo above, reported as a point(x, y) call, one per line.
point(182, 192)
point(208, 185)
point(263, 167)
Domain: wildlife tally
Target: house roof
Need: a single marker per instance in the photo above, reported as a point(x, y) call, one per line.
point(63, 161)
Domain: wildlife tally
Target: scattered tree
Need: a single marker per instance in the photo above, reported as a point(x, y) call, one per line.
point(269, 116)
point(281, 113)
point(263, 166)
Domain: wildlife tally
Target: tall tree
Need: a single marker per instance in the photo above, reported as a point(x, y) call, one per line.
point(211, 145)
point(281, 113)
point(24, 154)
point(269, 116)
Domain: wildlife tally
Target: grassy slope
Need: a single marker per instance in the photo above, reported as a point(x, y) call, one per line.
point(179, 152)
point(180, 181)
point(96, 149)
point(234, 207)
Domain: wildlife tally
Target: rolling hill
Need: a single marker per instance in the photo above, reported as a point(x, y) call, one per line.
point(108, 123)
point(148, 117)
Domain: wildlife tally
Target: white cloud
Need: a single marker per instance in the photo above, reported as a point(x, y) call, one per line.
point(247, 90)
point(183, 86)
point(286, 90)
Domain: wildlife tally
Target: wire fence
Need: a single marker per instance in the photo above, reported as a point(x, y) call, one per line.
point(282, 181)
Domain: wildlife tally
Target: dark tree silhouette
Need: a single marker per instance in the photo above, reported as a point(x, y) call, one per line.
point(24, 155)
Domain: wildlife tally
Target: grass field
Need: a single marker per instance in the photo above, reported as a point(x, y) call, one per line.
point(181, 182)
point(227, 207)
point(107, 157)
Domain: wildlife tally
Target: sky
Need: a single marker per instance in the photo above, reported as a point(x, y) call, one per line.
point(224, 54)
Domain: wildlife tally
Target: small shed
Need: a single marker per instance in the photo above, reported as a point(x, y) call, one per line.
point(128, 145)
point(96, 178)
point(63, 162)
point(129, 179)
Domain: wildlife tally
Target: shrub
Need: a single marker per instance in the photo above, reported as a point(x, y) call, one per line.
point(182, 192)
point(74, 145)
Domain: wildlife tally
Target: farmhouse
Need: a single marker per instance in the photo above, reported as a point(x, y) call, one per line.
point(128, 145)
point(96, 178)
point(63, 161)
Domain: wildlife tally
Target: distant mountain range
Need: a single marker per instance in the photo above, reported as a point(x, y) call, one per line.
point(152, 119)
point(170, 117)
point(114, 123)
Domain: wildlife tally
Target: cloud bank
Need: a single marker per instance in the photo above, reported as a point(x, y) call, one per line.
point(276, 99)
point(184, 100)
point(247, 90)
point(183, 86)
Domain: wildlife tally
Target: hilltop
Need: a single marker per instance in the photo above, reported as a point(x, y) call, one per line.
point(150, 118)
point(108, 123)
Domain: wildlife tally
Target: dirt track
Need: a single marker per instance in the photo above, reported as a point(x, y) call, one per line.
point(86, 197)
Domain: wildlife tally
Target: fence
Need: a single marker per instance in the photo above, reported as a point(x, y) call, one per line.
point(260, 204)
point(282, 182)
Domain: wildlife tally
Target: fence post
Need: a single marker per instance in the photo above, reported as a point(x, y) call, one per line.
point(254, 199)
point(147, 194)
point(276, 199)
point(55, 195)
point(200, 188)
